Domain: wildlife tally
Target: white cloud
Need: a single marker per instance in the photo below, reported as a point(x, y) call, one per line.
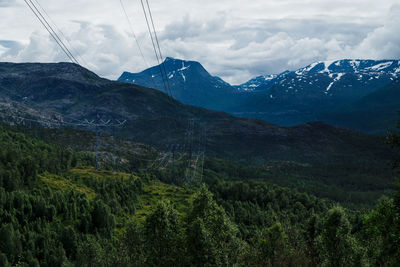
point(233, 39)
point(384, 41)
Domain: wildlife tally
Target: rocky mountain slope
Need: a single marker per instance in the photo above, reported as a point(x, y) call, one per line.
point(70, 93)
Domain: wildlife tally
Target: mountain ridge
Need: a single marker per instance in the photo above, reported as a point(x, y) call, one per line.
point(155, 119)
point(291, 97)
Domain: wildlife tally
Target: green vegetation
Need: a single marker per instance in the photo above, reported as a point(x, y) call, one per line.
point(56, 211)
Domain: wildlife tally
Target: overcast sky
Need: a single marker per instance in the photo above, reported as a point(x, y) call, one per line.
point(233, 39)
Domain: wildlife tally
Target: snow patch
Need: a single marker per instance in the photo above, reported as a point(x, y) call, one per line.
point(355, 64)
point(310, 67)
point(269, 77)
point(381, 66)
point(327, 64)
point(329, 86)
point(299, 72)
point(183, 67)
point(337, 78)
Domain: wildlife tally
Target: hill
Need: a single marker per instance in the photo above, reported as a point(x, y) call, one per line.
point(66, 93)
point(377, 110)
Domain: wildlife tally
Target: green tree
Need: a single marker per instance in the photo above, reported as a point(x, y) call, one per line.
point(312, 231)
point(10, 242)
point(381, 227)
point(132, 244)
point(211, 236)
point(339, 248)
point(270, 247)
point(102, 218)
point(90, 253)
point(162, 231)
point(3, 260)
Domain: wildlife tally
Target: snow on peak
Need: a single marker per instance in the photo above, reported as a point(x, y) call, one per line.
point(327, 64)
point(269, 77)
point(355, 64)
point(381, 66)
point(310, 67)
point(183, 67)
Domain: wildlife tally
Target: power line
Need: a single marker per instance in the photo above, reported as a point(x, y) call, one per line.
point(84, 123)
point(133, 32)
point(54, 32)
point(136, 39)
point(50, 30)
point(58, 29)
point(158, 45)
point(164, 78)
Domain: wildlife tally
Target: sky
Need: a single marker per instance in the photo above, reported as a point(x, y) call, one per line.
point(234, 39)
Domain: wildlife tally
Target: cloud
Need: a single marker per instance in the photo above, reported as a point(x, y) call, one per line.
point(232, 40)
point(7, 3)
point(238, 51)
point(101, 48)
point(384, 41)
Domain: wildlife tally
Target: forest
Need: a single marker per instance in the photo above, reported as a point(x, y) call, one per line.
point(56, 210)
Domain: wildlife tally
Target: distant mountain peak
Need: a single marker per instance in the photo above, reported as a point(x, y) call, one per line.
point(334, 70)
point(350, 66)
point(190, 82)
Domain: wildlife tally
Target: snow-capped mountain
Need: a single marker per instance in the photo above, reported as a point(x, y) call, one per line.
point(259, 83)
point(308, 94)
point(190, 83)
point(328, 75)
point(319, 88)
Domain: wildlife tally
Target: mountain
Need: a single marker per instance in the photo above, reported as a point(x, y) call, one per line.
point(189, 81)
point(311, 92)
point(378, 110)
point(70, 93)
point(317, 92)
point(332, 76)
point(260, 83)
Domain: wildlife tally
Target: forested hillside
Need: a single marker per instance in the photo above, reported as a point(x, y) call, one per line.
point(56, 210)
